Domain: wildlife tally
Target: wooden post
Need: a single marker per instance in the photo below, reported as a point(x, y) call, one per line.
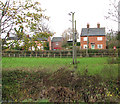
point(48, 55)
point(42, 55)
point(102, 54)
point(95, 54)
point(80, 54)
point(117, 54)
point(14, 55)
point(36, 54)
point(9, 54)
point(19, 55)
point(54, 55)
point(75, 44)
point(25, 55)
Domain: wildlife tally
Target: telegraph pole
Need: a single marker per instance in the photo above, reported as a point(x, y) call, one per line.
point(75, 44)
point(73, 36)
point(0, 60)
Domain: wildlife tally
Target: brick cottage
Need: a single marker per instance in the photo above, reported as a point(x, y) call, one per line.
point(96, 37)
point(57, 43)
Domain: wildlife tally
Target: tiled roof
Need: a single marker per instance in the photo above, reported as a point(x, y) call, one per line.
point(57, 39)
point(93, 32)
point(42, 39)
point(12, 38)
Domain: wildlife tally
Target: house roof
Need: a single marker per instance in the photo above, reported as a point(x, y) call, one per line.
point(93, 32)
point(12, 38)
point(16, 38)
point(57, 39)
point(42, 39)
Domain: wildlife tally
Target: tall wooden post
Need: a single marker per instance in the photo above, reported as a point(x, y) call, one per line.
point(75, 44)
point(0, 61)
point(73, 36)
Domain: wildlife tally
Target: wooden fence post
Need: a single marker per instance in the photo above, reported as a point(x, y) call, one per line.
point(117, 54)
point(102, 54)
point(25, 55)
point(95, 54)
point(36, 54)
point(9, 54)
point(48, 55)
point(80, 54)
point(54, 55)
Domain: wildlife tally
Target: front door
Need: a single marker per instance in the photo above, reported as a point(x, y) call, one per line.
point(92, 46)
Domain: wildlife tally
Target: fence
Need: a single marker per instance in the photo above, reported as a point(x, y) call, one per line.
point(56, 54)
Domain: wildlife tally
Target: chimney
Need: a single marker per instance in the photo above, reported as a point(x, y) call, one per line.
point(27, 36)
point(98, 25)
point(88, 25)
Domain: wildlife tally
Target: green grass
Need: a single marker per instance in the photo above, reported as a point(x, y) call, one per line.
point(50, 62)
point(16, 84)
point(94, 65)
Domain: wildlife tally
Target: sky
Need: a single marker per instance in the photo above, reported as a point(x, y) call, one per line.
point(86, 11)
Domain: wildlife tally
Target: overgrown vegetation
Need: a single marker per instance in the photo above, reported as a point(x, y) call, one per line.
point(63, 85)
point(94, 80)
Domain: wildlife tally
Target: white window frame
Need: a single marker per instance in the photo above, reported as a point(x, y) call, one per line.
point(99, 46)
point(57, 43)
point(84, 46)
point(99, 38)
point(42, 47)
point(85, 39)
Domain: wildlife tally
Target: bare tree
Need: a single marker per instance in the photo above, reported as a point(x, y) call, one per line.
point(67, 34)
point(114, 15)
point(114, 10)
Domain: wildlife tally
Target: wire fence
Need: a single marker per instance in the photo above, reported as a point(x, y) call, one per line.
point(58, 54)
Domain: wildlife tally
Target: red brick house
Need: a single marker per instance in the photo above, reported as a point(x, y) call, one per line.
point(57, 43)
point(95, 37)
point(43, 40)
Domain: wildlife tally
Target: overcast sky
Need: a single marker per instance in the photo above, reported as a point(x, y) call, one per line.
point(86, 11)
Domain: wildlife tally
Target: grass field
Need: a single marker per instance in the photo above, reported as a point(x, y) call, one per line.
point(33, 84)
point(93, 65)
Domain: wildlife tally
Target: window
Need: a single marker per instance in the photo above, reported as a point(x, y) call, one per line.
point(99, 38)
point(42, 47)
point(85, 39)
point(85, 46)
point(57, 43)
point(92, 46)
point(99, 46)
